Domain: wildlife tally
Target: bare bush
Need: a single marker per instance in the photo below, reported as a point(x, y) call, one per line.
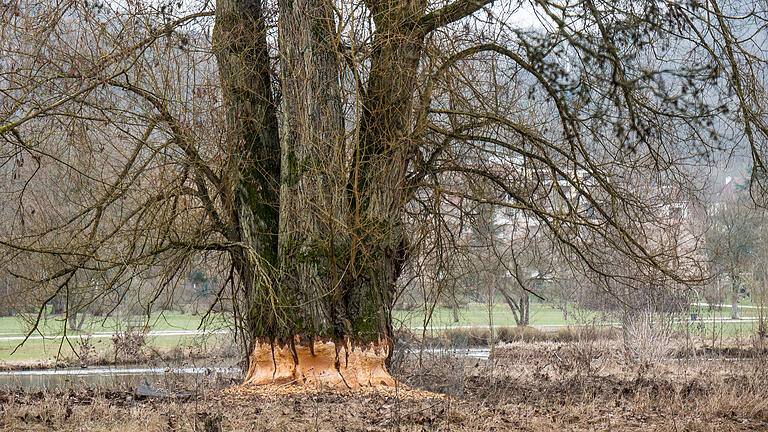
point(646, 341)
point(129, 345)
point(85, 351)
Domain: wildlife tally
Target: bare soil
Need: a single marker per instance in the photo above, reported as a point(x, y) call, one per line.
point(527, 387)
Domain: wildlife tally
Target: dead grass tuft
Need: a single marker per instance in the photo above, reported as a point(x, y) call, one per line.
point(479, 336)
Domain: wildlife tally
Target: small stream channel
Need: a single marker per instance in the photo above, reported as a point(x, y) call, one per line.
point(131, 376)
point(118, 377)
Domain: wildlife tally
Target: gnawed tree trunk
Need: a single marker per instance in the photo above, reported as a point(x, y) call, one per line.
point(336, 363)
point(324, 315)
point(336, 290)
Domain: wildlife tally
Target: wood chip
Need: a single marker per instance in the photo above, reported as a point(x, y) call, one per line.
point(274, 391)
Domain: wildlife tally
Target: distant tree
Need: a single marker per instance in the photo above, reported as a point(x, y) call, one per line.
point(733, 240)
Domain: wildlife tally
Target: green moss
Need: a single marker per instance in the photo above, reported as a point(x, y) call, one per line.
point(291, 175)
point(365, 326)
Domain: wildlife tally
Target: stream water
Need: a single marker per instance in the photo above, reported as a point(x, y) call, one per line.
point(122, 378)
point(186, 378)
point(173, 377)
point(478, 353)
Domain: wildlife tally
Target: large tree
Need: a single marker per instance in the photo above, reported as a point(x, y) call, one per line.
point(313, 147)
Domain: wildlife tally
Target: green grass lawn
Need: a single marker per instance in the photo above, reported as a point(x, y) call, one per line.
point(477, 314)
point(48, 349)
point(725, 312)
point(473, 314)
point(707, 325)
point(14, 326)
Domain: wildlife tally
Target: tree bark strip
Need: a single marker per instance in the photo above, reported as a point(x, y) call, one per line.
point(241, 50)
point(377, 179)
point(312, 229)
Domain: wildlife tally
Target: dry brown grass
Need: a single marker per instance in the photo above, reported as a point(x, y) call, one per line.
point(530, 387)
point(479, 336)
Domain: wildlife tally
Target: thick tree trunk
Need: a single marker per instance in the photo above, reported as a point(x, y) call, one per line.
point(376, 187)
point(312, 229)
point(240, 45)
point(324, 316)
point(336, 328)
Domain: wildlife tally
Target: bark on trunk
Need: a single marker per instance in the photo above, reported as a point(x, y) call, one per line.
point(513, 306)
point(376, 187)
point(455, 309)
point(58, 305)
point(240, 45)
point(525, 313)
point(312, 230)
point(520, 308)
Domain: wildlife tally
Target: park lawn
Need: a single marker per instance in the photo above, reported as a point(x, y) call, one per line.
point(42, 350)
point(476, 314)
point(746, 310)
point(15, 326)
point(45, 350)
point(39, 349)
point(472, 314)
point(709, 329)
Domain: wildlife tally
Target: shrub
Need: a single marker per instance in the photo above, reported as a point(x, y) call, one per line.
point(129, 345)
point(524, 334)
